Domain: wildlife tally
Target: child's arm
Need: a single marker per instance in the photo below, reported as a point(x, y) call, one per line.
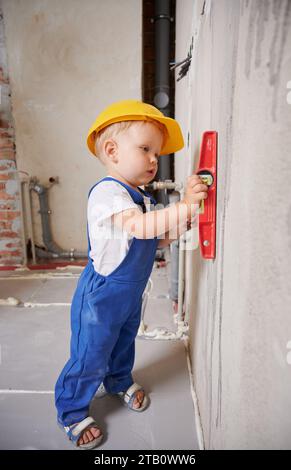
point(166, 240)
point(173, 235)
point(155, 223)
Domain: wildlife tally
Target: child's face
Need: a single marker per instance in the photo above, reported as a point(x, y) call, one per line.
point(135, 154)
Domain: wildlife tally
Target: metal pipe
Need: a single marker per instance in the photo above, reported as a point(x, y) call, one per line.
point(174, 197)
point(26, 203)
point(181, 275)
point(182, 240)
point(29, 203)
point(24, 254)
point(52, 250)
point(162, 21)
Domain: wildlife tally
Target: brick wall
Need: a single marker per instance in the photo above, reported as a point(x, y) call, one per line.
point(10, 215)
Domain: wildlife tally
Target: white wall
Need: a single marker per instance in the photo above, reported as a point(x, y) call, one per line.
point(239, 304)
point(67, 60)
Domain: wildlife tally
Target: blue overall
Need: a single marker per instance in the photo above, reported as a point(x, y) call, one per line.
point(105, 317)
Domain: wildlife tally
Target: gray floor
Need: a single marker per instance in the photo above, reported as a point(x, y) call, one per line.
point(34, 345)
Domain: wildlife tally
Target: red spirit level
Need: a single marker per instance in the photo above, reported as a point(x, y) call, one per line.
point(207, 170)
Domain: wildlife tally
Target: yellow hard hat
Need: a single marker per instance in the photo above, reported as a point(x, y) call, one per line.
point(133, 110)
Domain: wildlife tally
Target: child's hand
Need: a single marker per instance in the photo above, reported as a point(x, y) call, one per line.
point(195, 191)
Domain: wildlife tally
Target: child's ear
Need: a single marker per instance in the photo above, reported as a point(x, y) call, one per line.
point(110, 148)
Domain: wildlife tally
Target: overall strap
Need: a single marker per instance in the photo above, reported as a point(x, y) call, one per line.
point(136, 196)
point(135, 193)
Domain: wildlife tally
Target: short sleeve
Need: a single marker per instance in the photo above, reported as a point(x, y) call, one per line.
point(108, 198)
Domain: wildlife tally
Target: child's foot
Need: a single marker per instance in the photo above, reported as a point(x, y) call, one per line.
point(89, 435)
point(139, 396)
point(134, 397)
point(93, 433)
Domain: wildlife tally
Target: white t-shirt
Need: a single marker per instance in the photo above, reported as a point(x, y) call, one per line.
point(109, 244)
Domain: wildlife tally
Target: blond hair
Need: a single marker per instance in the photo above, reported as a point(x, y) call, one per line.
point(114, 129)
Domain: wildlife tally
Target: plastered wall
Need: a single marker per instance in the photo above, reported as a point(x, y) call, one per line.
point(239, 303)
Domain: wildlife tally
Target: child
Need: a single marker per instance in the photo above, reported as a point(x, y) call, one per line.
point(128, 137)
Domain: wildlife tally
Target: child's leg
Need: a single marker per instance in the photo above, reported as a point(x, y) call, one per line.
point(91, 347)
point(118, 377)
point(78, 382)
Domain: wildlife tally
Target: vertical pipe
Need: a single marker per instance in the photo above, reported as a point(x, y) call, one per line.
point(23, 235)
point(174, 251)
point(162, 23)
point(181, 272)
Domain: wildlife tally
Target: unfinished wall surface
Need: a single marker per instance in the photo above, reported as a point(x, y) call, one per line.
point(10, 202)
point(67, 60)
point(239, 303)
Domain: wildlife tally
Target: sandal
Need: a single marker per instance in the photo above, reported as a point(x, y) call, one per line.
point(101, 392)
point(130, 394)
point(75, 431)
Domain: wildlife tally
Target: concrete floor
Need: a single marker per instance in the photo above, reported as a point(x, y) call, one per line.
point(34, 346)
